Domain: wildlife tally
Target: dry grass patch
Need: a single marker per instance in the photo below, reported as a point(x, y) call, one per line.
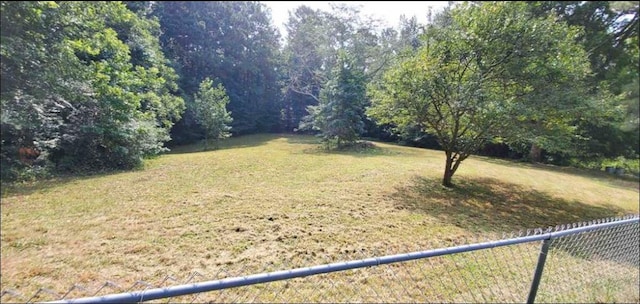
point(273, 201)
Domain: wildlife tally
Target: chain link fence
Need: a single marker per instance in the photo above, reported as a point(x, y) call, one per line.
point(591, 262)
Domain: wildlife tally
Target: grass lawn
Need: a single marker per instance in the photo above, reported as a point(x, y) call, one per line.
point(278, 200)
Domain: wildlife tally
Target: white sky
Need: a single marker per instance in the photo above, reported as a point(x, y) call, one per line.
point(388, 11)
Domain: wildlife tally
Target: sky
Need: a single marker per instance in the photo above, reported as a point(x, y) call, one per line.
point(388, 11)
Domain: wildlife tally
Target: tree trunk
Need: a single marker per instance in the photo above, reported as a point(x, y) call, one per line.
point(535, 153)
point(448, 171)
point(206, 143)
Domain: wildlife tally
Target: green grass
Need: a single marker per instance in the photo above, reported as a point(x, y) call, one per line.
point(278, 200)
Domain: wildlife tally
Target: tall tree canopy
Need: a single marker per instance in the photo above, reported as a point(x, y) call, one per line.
point(315, 39)
point(610, 37)
point(84, 86)
point(308, 57)
point(234, 42)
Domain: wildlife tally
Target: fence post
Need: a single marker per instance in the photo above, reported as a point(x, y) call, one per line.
point(542, 258)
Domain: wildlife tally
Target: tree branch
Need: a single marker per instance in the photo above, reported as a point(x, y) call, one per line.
point(293, 89)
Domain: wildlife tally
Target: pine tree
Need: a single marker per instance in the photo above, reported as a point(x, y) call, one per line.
point(339, 115)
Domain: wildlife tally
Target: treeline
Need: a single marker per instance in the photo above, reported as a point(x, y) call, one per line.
point(91, 86)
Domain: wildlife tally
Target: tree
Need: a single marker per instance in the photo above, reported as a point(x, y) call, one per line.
point(211, 113)
point(308, 59)
point(339, 115)
point(610, 37)
point(83, 83)
point(472, 81)
point(607, 27)
point(233, 42)
point(315, 39)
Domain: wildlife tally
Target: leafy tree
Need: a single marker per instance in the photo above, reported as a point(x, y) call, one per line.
point(610, 37)
point(607, 27)
point(83, 83)
point(339, 116)
point(307, 56)
point(472, 81)
point(315, 39)
point(233, 42)
point(211, 112)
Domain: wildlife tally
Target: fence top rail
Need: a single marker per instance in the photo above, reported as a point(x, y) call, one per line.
point(185, 289)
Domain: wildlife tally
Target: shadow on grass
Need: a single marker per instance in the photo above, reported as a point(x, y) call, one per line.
point(490, 205)
point(360, 149)
point(30, 187)
point(244, 141)
point(302, 139)
point(623, 182)
point(60, 179)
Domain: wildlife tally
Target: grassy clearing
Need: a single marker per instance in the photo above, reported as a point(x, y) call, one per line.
point(268, 202)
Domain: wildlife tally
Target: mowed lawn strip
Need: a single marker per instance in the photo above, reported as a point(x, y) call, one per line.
point(278, 200)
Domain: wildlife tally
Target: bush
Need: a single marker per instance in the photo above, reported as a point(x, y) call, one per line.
point(631, 166)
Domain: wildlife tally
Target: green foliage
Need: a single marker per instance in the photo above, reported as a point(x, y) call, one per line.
point(307, 54)
point(609, 32)
point(84, 84)
point(339, 116)
point(473, 81)
point(233, 42)
point(211, 113)
point(630, 166)
point(313, 45)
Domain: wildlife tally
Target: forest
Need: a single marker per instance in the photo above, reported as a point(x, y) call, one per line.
point(95, 86)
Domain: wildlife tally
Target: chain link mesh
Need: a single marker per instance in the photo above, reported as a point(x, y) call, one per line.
point(600, 266)
point(596, 266)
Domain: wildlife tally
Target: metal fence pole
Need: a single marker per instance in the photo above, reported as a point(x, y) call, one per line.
point(542, 258)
